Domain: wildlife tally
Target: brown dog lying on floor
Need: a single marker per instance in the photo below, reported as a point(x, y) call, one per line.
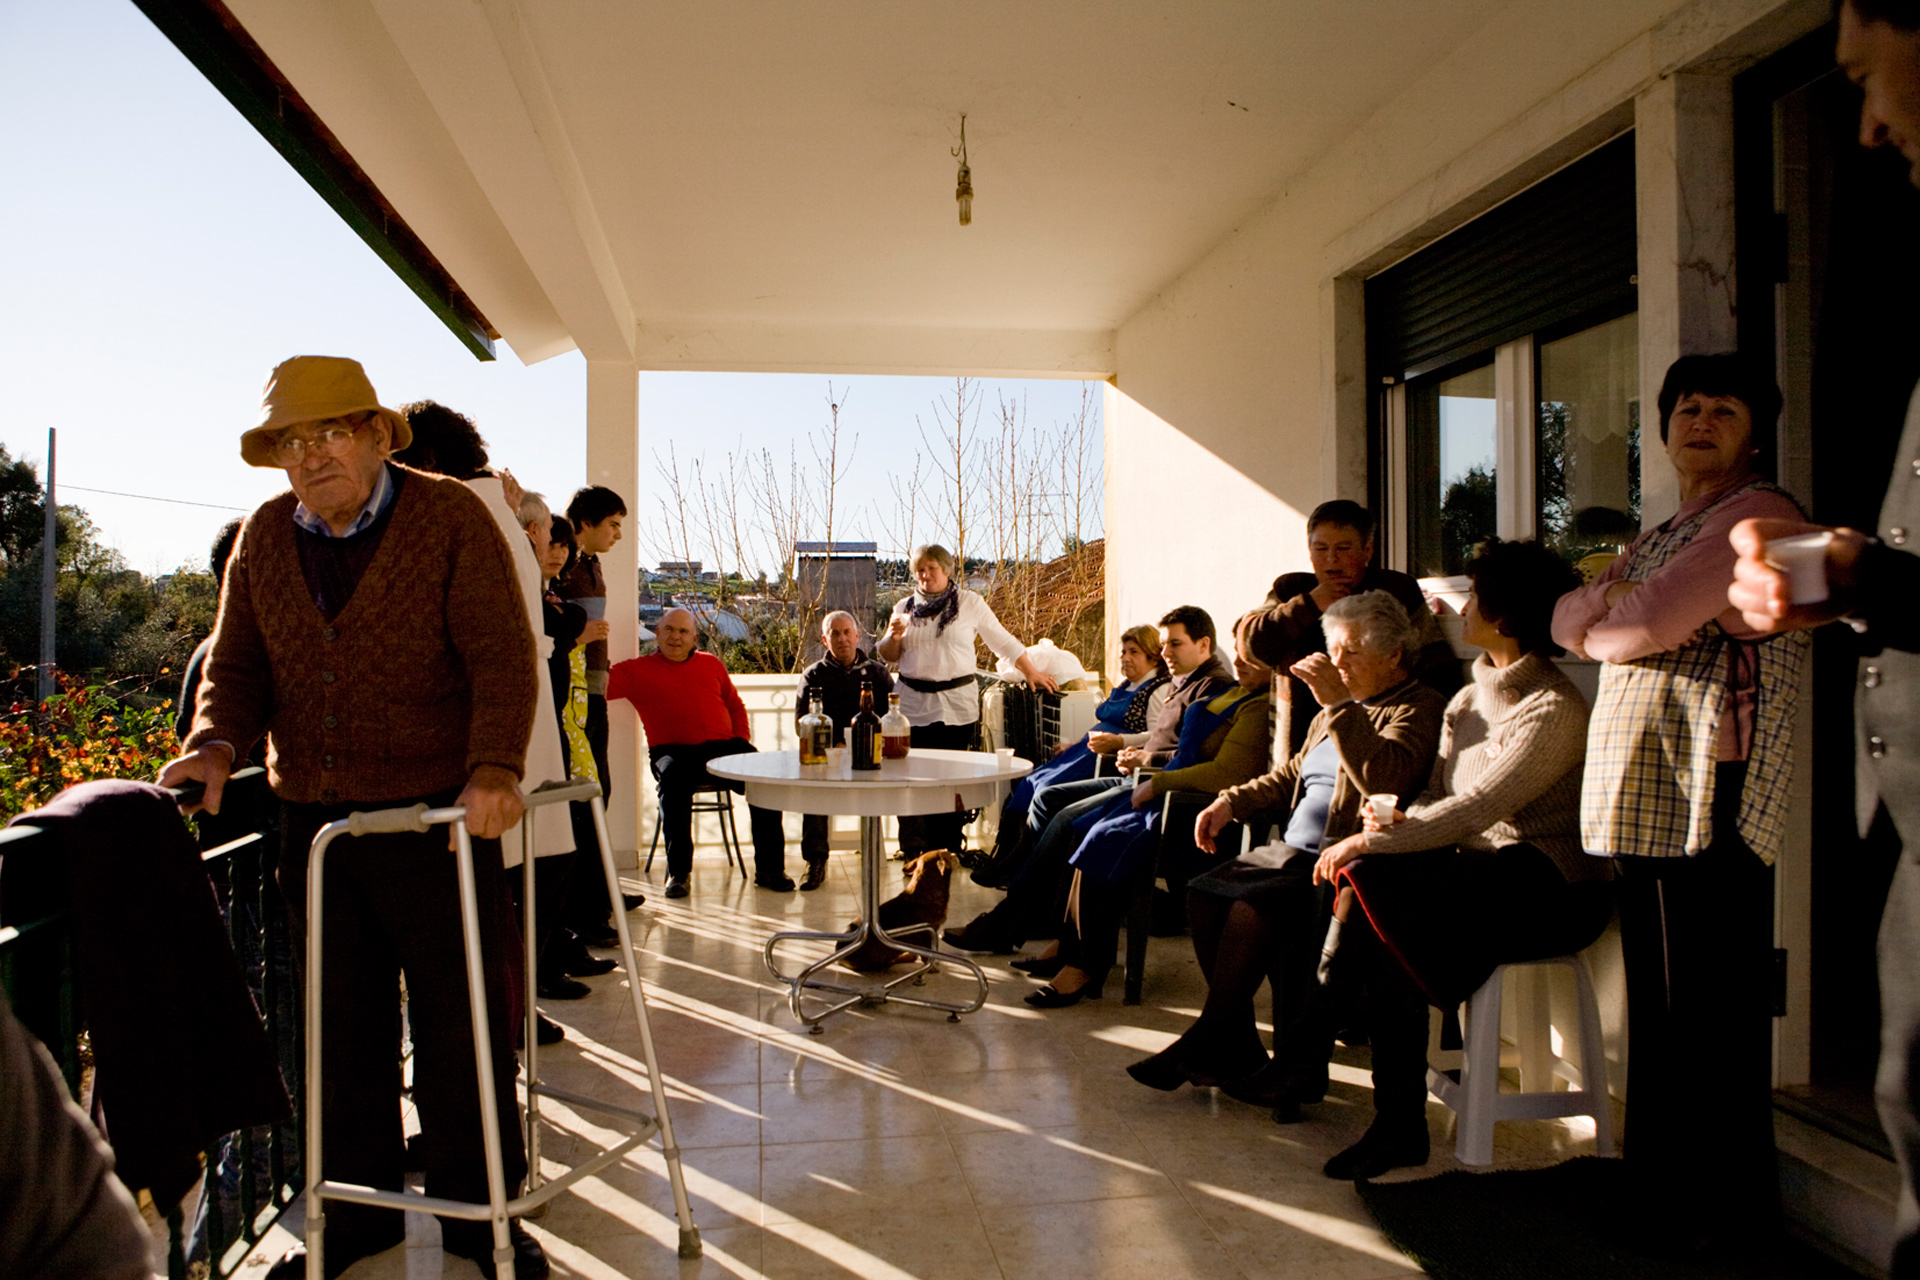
point(923, 901)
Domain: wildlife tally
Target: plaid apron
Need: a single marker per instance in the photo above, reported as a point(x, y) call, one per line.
point(1655, 734)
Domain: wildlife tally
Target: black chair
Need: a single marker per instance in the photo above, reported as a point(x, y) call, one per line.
point(714, 797)
point(1176, 860)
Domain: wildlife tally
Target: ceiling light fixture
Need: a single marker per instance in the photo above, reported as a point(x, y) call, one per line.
point(963, 192)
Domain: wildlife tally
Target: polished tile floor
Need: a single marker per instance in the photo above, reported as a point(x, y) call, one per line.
point(897, 1144)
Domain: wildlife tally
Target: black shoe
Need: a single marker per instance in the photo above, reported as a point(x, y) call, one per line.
point(1382, 1147)
point(677, 887)
point(1042, 967)
point(546, 1030)
point(1165, 1071)
point(778, 881)
point(587, 967)
point(816, 876)
point(562, 988)
point(1051, 997)
point(1273, 1085)
point(597, 935)
point(474, 1242)
point(982, 941)
point(629, 901)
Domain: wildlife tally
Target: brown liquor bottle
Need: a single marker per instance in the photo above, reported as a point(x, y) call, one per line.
point(866, 731)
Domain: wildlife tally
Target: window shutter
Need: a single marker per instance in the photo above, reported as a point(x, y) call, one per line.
point(1564, 246)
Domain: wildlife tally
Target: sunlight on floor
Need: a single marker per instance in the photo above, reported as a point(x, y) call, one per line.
point(897, 1146)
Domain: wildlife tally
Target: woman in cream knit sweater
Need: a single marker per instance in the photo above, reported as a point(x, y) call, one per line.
point(1485, 868)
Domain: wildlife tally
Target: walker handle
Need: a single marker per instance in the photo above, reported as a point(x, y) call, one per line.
point(382, 821)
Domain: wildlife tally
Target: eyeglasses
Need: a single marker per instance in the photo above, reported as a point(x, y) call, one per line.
point(334, 442)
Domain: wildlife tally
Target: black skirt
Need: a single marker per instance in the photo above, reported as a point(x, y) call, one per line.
point(1266, 874)
point(1451, 916)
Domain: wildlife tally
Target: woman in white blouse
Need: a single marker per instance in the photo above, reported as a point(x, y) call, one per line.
point(931, 639)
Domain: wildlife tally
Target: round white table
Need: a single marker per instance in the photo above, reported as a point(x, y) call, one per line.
point(926, 782)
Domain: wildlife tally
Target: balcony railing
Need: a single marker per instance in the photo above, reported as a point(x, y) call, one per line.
point(251, 1175)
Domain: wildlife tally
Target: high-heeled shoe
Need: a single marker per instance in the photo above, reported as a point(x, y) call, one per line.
point(1051, 997)
point(1038, 966)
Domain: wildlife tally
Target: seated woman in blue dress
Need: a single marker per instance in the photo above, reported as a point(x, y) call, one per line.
point(1223, 743)
point(1121, 721)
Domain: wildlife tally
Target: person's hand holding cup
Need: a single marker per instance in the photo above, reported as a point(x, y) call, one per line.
point(1381, 810)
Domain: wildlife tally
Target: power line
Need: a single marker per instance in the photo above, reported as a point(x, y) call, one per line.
point(147, 497)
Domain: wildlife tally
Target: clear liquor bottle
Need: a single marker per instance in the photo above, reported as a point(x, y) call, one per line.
point(895, 733)
point(816, 733)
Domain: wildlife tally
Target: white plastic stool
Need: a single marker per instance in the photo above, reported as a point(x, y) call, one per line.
point(1476, 1099)
point(499, 1207)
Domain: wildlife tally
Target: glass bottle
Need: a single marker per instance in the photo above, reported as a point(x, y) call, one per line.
point(816, 733)
point(866, 731)
point(895, 732)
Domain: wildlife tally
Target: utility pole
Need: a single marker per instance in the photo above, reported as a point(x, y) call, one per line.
point(47, 578)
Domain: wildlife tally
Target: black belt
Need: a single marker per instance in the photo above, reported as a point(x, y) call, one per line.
point(933, 686)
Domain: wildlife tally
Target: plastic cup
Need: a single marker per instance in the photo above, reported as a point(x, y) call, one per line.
point(1383, 804)
point(1005, 755)
point(837, 761)
point(1803, 558)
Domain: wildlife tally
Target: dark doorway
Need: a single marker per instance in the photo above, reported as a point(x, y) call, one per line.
point(1829, 253)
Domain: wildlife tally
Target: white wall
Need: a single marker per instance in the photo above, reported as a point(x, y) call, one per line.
point(1241, 401)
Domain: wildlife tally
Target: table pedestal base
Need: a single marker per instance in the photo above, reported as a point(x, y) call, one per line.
point(879, 993)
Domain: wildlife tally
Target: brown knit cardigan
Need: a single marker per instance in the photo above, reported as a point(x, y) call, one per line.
point(426, 675)
point(1385, 745)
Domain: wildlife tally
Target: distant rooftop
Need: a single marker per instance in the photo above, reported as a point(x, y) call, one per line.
point(836, 548)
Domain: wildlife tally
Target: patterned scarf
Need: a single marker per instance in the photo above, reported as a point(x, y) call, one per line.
point(945, 606)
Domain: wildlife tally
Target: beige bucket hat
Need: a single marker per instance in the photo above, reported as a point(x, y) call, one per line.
point(310, 389)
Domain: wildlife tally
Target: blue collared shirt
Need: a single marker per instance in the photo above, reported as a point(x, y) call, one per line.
point(378, 501)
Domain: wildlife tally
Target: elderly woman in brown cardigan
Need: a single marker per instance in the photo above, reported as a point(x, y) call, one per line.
point(1259, 917)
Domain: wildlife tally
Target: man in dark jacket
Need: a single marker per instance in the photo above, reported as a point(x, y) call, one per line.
point(1340, 545)
point(837, 678)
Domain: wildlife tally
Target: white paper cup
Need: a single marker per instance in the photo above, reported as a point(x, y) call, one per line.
point(1803, 558)
point(837, 760)
point(1006, 756)
point(1383, 804)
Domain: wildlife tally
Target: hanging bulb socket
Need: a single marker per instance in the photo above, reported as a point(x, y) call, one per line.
point(963, 189)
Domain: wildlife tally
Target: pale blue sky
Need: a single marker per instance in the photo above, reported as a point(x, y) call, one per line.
point(161, 258)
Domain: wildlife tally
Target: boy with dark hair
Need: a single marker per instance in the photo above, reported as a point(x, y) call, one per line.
point(596, 513)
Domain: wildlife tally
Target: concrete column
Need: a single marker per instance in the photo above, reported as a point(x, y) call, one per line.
point(613, 460)
point(1683, 146)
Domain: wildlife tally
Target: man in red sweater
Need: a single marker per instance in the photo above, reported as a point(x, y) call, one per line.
point(693, 714)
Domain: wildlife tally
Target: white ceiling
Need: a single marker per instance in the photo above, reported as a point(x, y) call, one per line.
point(756, 185)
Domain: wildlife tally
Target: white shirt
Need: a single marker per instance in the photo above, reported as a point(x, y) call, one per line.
point(927, 655)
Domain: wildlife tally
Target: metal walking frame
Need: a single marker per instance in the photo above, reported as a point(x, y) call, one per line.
point(872, 857)
point(499, 1208)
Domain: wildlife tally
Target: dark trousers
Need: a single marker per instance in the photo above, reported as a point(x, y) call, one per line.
point(1897, 1086)
point(1697, 938)
point(814, 833)
point(679, 770)
point(1033, 905)
point(937, 830)
point(588, 906)
point(1396, 1021)
point(1241, 945)
point(552, 883)
point(393, 908)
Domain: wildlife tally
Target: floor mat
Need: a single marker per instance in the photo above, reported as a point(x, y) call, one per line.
point(1567, 1221)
